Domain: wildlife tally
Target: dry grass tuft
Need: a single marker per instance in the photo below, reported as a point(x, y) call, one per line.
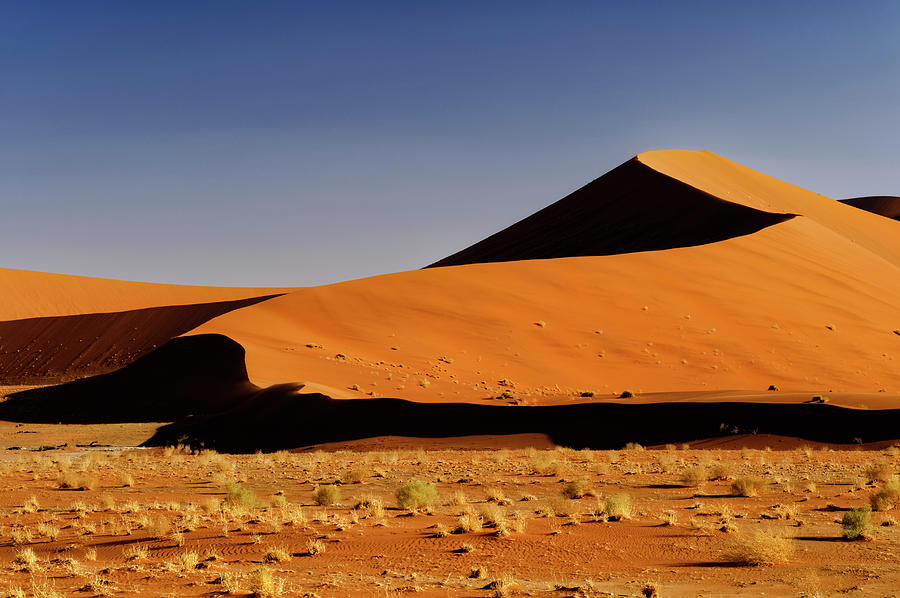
point(887, 497)
point(759, 548)
point(747, 487)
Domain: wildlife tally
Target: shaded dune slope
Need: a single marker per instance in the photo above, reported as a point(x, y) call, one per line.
point(57, 348)
point(201, 381)
point(883, 205)
point(631, 208)
point(194, 374)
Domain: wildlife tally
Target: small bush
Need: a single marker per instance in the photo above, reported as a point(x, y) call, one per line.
point(694, 476)
point(544, 464)
point(370, 506)
point(577, 489)
point(238, 496)
point(887, 496)
point(747, 486)
point(879, 472)
point(262, 583)
point(857, 523)
point(720, 471)
point(618, 507)
point(467, 523)
point(759, 548)
point(669, 517)
point(417, 494)
point(314, 547)
point(276, 555)
point(328, 495)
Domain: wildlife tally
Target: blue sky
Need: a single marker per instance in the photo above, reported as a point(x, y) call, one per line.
point(305, 143)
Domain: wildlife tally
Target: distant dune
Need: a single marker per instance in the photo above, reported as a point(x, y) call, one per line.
point(883, 205)
point(678, 272)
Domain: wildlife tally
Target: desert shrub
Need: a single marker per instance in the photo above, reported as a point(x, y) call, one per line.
point(26, 560)
point(314, 547)
point(633, 446)
point(720, 471)
point(879, 472)
point(276, 555)
point(328, 495)
point(263, 583)
point(417, 494)
point(544, 464)
point(626, 394)
point(887, 496)
point(467, 523)
point(238, 496)
point(577, 489)
point(857, 523)
point(370, 506)
point(493, 515)
point(694, 476)
point(669, 517)
point(356, 475)
point(618, 507)
point(748, 486)
point(31, 505)
point(74, 481)
point(759, 548)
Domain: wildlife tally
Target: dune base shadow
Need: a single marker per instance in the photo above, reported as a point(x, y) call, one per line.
point(200, 383)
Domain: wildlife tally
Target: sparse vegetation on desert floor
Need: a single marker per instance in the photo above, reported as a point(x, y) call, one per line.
point(448, 522)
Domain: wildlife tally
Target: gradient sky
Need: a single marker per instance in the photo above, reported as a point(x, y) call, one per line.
point(289, 143)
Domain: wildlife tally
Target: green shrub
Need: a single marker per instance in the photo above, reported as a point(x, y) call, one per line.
point(328, 495)
point(857, 523)
point(416, 494)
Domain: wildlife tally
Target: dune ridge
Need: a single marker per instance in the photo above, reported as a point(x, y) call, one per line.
point(28, 294)
point(631, 208)
point(883, 205)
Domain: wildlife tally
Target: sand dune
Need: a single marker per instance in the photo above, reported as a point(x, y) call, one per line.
point(759, 282)
point(805, 304)
point(883, 205)
point(39, 294)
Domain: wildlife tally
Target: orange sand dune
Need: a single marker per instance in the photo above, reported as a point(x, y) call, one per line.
point(38, 294)
point(806, 304)
point(796, 305)
point(883, 205)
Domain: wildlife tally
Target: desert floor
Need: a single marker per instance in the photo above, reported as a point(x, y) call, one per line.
point(117, 520)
